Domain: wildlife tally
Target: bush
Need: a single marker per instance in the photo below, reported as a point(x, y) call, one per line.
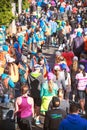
point(6, 15)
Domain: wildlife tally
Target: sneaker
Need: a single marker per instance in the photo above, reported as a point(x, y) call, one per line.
point(83, 112)
point(37, 122)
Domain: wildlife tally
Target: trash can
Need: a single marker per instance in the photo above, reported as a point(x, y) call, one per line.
point(6, 120)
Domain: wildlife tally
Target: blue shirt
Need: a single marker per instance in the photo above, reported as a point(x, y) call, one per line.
point(73, 122)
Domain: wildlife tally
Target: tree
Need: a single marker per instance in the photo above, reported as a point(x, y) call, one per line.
point(6, 15)
point(25, 4)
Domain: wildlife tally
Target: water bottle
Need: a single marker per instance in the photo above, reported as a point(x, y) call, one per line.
point(6, 98)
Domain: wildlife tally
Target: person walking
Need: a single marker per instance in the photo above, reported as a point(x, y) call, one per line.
point(54, 116)
point(73, 121)
point(35, 80)
point(64, 104)
point(48, 90)
point(24, 108)
point(81, 79)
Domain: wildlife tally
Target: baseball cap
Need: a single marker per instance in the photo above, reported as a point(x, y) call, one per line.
point(37, 66)
point(82, 67)
point(57, 67)
point(75, 58)
point(58, 53)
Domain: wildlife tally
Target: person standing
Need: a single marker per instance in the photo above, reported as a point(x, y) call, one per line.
point(24, 108)
point(73, 121)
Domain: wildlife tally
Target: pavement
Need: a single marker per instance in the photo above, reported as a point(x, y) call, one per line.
point(50, 56)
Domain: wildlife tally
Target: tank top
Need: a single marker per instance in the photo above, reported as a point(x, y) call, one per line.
point(25, 109)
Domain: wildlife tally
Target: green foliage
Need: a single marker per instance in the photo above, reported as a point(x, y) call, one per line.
point(16, 1)
point(25, 4)
point(6, 15)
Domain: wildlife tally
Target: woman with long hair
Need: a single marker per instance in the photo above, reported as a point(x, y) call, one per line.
point(24, 108)
point(48, 90)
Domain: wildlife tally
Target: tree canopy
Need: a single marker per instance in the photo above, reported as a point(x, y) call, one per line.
point(6, 15)
point(25, 4)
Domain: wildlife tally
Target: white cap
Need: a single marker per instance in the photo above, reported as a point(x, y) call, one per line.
point(85, 33)
point(75, 58)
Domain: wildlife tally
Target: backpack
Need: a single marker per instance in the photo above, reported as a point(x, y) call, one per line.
point(2, 62)
point(14, 72)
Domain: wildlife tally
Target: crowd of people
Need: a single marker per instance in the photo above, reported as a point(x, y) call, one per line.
point(26, 75)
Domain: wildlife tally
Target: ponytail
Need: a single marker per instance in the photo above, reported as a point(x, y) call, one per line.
point(65, 74)
point(50, 86)
point(84, 73)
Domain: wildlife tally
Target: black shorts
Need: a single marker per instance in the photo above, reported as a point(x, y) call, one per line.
point(37, 101)
point(81, 94)
point(54, 35)
point(68, 35)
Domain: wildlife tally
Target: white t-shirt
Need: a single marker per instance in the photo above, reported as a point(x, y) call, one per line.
point(82, 81)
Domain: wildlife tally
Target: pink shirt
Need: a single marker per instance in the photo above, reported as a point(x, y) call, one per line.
point(25, 109)
point(82, 81)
